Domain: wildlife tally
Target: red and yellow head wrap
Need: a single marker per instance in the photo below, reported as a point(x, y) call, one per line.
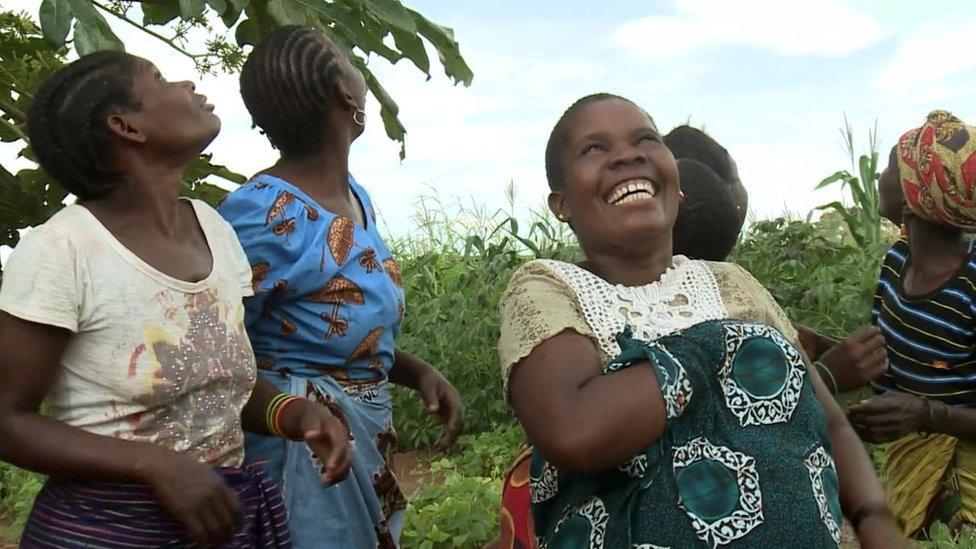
point(937, 169)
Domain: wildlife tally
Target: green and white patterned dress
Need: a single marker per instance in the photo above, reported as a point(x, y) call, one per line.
point(745, 459)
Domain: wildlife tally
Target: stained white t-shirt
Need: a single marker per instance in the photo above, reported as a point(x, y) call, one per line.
point(152, 358)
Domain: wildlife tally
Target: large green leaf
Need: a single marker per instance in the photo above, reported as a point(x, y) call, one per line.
point(160, 13)
point(287, 12)
point(447, 48)
point(393, 13)
point(92, 32)
point(413, 48)
point(191, 9)
point(56, 17)
point(92, 38)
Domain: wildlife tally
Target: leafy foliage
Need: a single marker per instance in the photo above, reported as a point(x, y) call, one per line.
point(455, 271)
point(385, 28)
point(31, 51)
point(863, 219)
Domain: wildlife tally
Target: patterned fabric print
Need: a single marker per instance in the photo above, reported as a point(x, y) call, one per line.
point(823, 479)
point(709, 481)
point(675, 385)
point(937, 167)
point(322, 283)
point(75, 515)
point(719, 490)
point(544, 483)
point(762, 375)
point(366, 509)
point(324, 322)
point(587, 520)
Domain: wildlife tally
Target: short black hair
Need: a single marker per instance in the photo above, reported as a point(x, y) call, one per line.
point(688, 142)
point(67, 121)
point(708, 225)
point(287, 84)
point(557, 138)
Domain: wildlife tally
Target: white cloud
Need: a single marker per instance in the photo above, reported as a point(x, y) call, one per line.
point(825, 28)
point(924, 61)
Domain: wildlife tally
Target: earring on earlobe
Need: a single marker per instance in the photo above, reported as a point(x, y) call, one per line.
point(681, 196)
point(359, 116)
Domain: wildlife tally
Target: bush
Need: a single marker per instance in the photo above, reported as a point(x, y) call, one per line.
point(17, 491)
point(455, 271)
point(815, 270)
point(463, 511)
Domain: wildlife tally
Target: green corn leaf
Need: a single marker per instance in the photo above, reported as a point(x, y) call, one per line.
point(842, 175)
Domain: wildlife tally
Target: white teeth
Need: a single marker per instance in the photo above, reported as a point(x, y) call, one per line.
point(631, 191)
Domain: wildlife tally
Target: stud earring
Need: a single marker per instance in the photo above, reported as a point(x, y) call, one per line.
point(681, 196)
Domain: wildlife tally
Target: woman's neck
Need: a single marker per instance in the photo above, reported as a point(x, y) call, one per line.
point(936, 251)
point(631, 268)
point(149, 198)
point(324, 174)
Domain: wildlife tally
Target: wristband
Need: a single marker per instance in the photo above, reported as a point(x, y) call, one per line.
point(830, 375)
point(272, 415)
point(280, 412)
point(868, 510)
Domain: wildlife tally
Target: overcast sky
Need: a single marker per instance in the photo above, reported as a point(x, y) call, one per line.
point(771, 80)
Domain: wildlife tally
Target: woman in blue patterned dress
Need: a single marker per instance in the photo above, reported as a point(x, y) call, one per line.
point(329, 296)
point(666, 398)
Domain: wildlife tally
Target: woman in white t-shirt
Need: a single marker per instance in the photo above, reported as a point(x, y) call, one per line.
point(123, 313)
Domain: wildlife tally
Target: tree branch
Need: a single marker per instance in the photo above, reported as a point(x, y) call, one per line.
point(156, 35)
point(11, 110)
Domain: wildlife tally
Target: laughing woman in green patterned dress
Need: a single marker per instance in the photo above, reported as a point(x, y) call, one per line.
point(666, 398)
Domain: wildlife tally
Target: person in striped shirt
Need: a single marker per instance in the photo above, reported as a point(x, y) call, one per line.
point(925, 305)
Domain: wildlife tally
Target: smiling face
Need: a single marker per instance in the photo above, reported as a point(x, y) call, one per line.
point(619, 183)
point(172, 118)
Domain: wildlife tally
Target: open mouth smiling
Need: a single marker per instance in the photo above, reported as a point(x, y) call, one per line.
point(633, 190)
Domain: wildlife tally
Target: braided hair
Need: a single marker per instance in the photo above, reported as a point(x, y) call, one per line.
point(557, 139)
point(708, 225)
point(66, 121)
point(288, 83)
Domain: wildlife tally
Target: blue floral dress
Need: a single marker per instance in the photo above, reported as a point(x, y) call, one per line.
point(326, 312)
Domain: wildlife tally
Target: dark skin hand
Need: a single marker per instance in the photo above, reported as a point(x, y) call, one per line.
point(302, 420)
point(858, 360)
point(440, 397)
point(582, 420)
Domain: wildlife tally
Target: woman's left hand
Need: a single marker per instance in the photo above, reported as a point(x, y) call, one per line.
point(442, 399)
point(888, 417)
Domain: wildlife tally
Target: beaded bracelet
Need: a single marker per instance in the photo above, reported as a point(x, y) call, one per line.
point(830, 375)
point(274, 411)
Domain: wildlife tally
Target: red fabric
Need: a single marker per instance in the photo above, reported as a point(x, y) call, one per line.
point(517, 528)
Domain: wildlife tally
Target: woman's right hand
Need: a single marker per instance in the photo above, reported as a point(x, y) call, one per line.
point(858, 360)
point(195, 496)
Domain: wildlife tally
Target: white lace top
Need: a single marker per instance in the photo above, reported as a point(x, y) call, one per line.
point(545, 298)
